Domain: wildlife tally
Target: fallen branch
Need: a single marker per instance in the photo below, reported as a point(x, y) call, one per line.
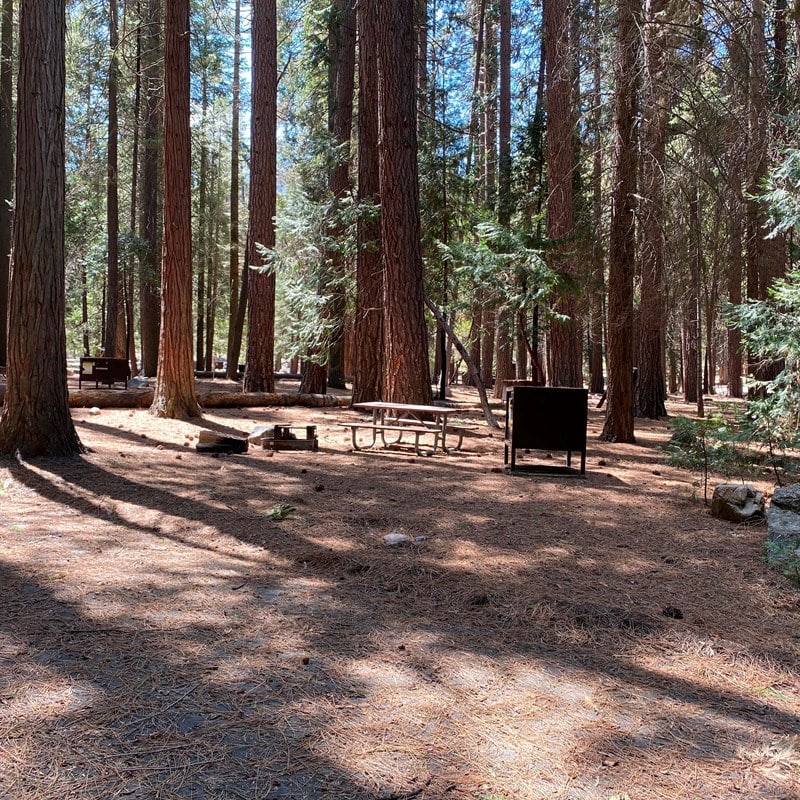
point(473, 370)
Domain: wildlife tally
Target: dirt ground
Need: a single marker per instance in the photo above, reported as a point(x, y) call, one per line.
point(163, 635)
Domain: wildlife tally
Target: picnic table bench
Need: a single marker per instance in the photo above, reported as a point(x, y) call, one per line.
point(401, 419)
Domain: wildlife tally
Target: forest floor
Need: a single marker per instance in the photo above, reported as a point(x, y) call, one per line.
point(163, 634)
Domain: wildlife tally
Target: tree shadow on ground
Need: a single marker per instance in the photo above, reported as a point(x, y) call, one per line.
point(315, 613)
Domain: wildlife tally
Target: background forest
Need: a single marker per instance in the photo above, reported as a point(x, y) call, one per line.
point(596, 182)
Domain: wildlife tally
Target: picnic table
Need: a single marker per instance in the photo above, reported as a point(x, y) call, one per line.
point(404, 419)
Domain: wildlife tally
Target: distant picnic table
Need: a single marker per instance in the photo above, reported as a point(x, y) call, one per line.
point(404, 419)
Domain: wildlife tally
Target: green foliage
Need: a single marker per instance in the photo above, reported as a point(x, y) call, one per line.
point(769, 327)
point(504, 266)
point(280, 511)
point(310, 235)
point(786, 557)
point(782, 192)
point(704, 445)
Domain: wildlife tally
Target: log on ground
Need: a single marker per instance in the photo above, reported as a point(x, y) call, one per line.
point(143, 398)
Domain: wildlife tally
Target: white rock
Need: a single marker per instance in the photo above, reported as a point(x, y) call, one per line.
point(396, 539)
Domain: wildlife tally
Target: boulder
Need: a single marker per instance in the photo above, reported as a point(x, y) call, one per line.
point(259, 432)
point(783, 525)
point(737, 502)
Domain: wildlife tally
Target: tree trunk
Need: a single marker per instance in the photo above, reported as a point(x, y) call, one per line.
point(368, 356)
point(693, 364)
point(565, 337)
point(203, 223)
point(149, 227)
point(597, 285)
point(472, 140)
point(490, 112)
point(343, 35)
point(521, 345)
point(651, 390)
point(341, 77)
point(213, 265)
point(259, 370)
point(406, 373)
point(735, 211)
point(114, 338)
point(175, 395)
point(233, 261)
point(471, 365)
point(36, 419)
point(487, 346)
point(504, 353)
point(6, 162)
point(130, 268)
point(474, 338)
point(619, 414)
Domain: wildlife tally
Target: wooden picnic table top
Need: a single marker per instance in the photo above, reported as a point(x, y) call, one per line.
point(383, 405)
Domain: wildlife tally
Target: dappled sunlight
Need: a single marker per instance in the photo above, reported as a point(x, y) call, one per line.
point(517, 643)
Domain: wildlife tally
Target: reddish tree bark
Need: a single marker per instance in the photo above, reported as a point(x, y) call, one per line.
point(149, 228)
point(175, 395)
point(343, 36)
point(234, 332)
point(259, 373)
point(406, 373)
point(651, 390)
point(36, 419)
point(368, 344)
point(6, 161)
point(114, 339)
point(565, 337)
point(619, 415)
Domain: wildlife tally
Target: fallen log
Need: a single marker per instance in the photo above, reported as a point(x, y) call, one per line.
point(254, 399)
point(143, 398)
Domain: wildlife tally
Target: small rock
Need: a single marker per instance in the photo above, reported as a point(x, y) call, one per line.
point(396, 539)
point(159, 447)
point(783, 526)
point(787, 498)
point(94, 411)
point(601, 462)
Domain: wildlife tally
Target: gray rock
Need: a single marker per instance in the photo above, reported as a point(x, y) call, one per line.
point(259, 432)
point(787, 497)
point(783, 526)
point(737, 502)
